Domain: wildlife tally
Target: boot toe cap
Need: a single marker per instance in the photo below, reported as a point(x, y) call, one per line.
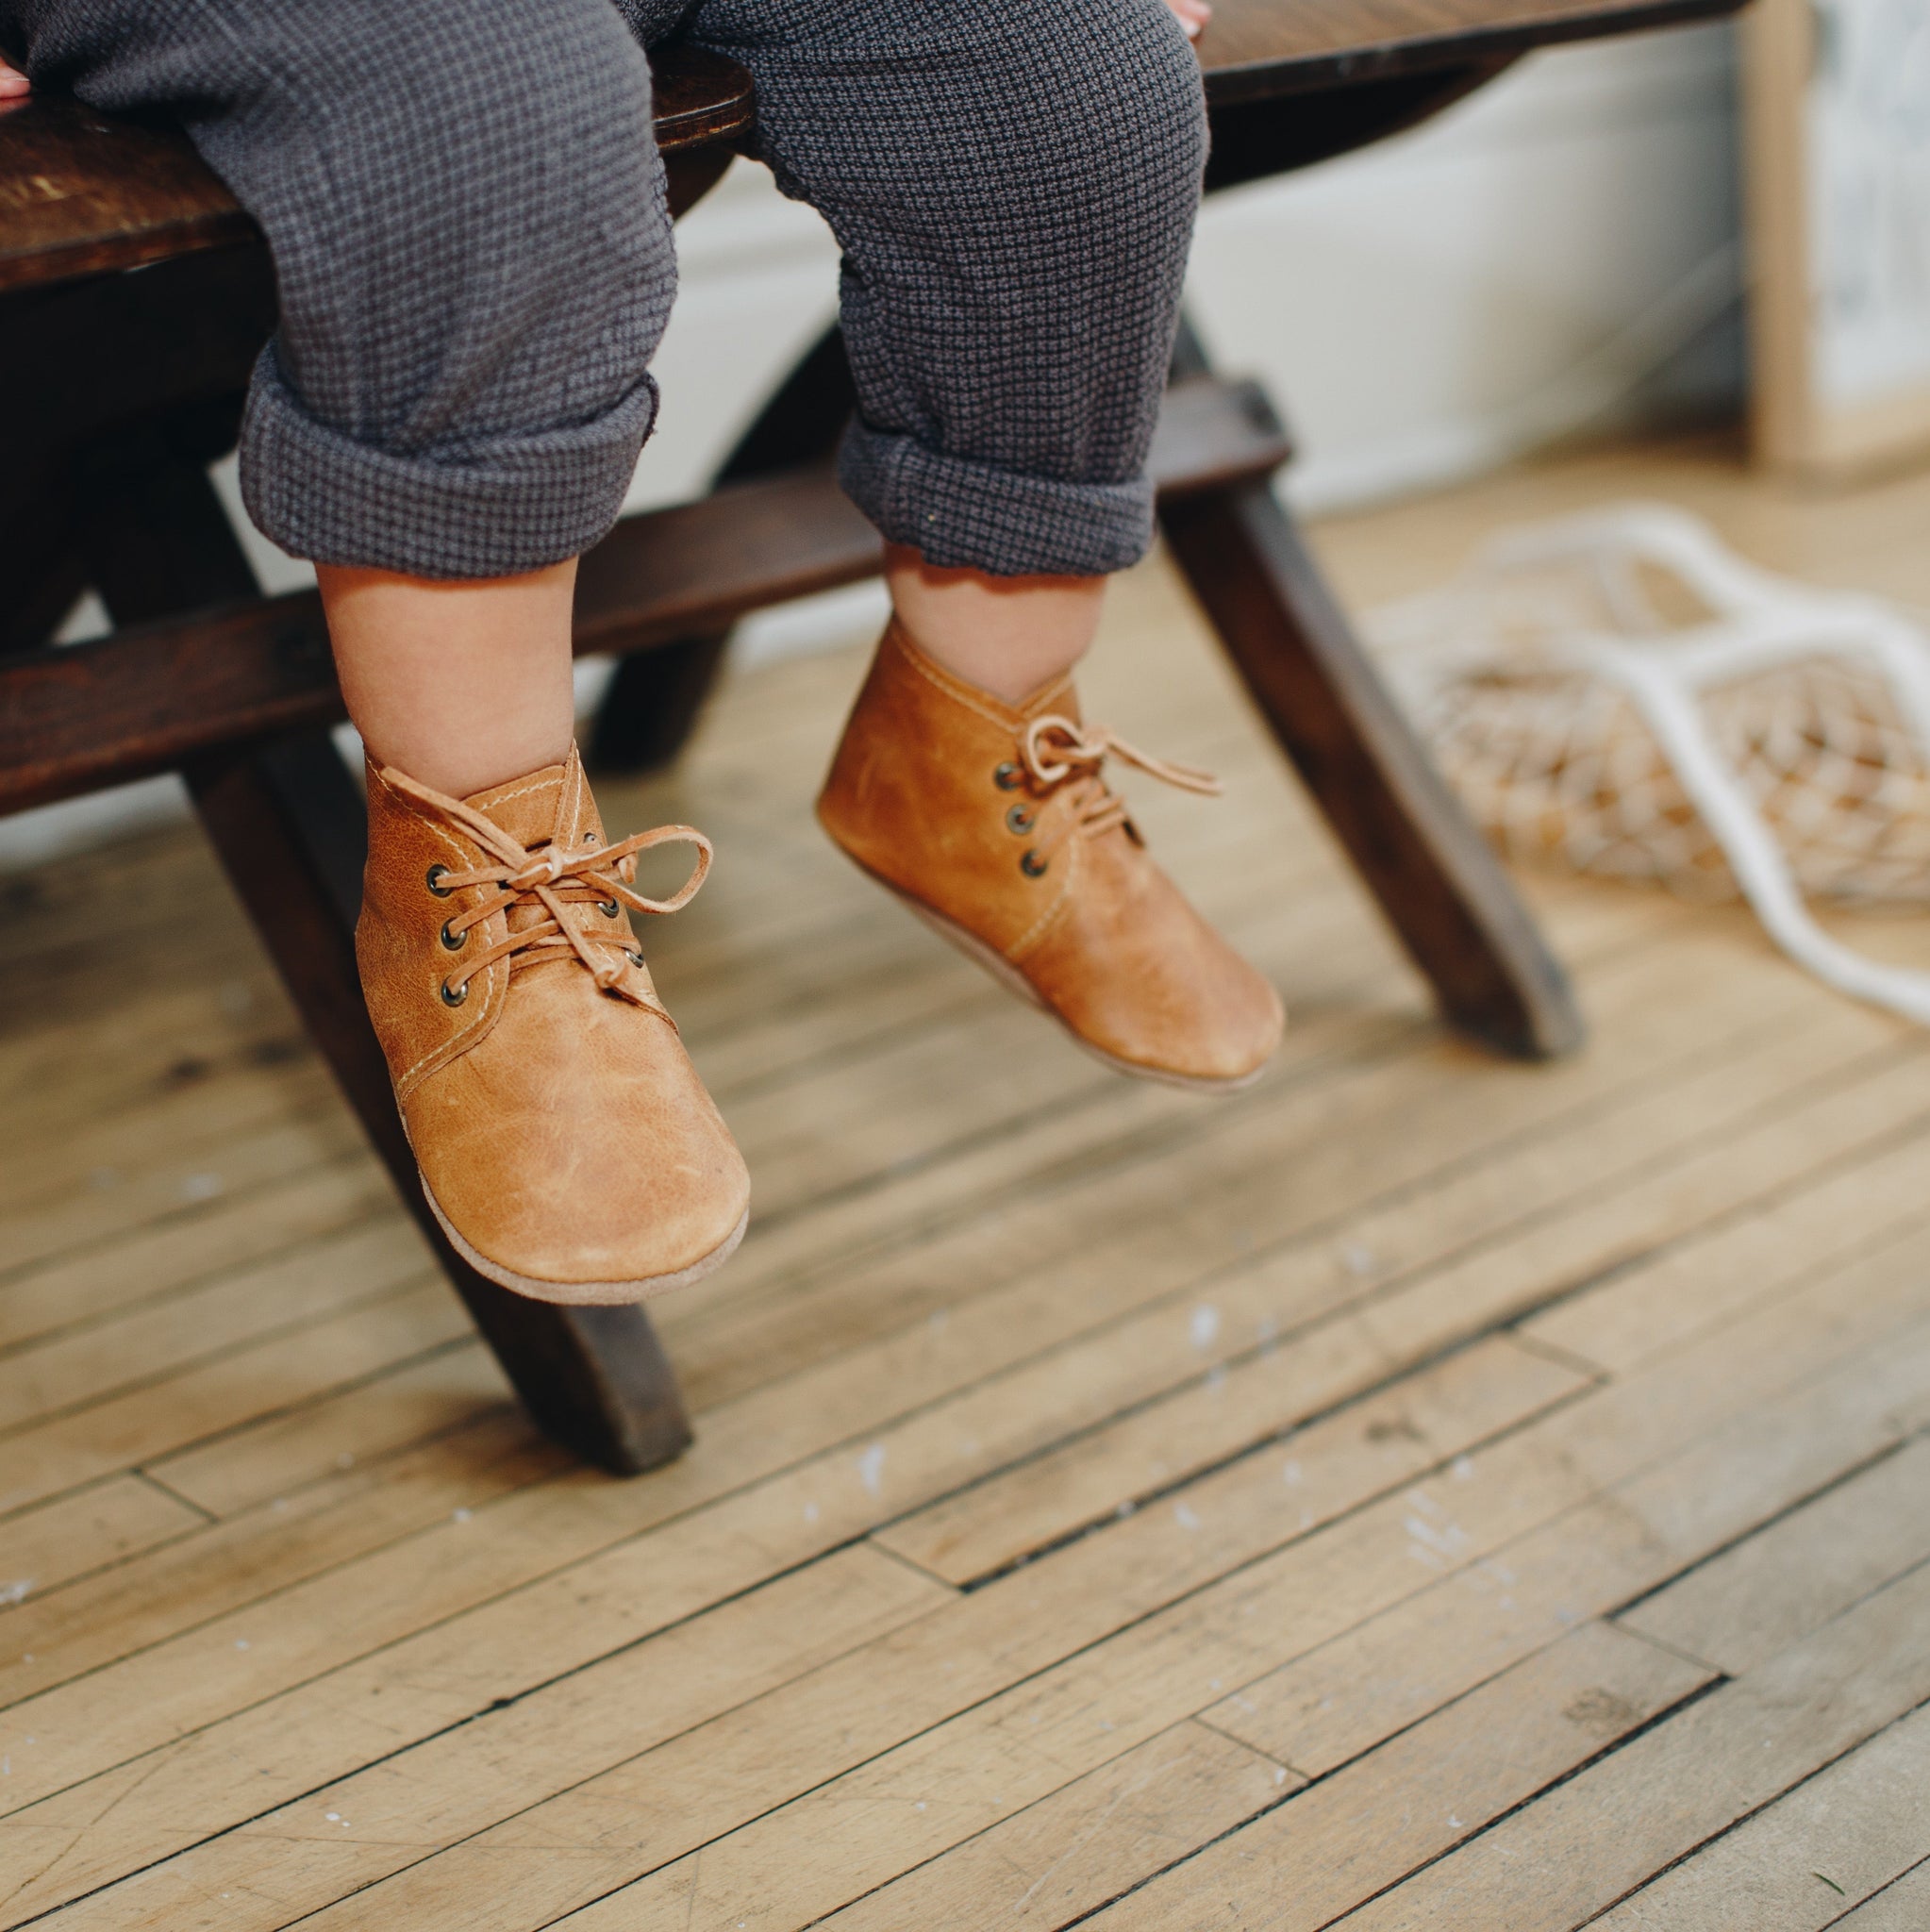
point(600, 1174)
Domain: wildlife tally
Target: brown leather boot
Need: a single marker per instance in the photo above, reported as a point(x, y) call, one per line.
point(565, 1141)
point(995, 825)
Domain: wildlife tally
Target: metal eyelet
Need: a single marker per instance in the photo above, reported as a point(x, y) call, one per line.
point(1033, 866)
point(635, 959)
point(454, 942)
point(1009, 778)
point(609, 907)
point(1019, 818)
point(454, 995)
point(433, 880)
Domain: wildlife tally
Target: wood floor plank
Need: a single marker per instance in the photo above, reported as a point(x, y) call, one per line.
point(209, 1397)
point(1903, 1907)
point(231, 1311)
point(1741, 1608)
point(1416, 1797)
point(1874, 1191)
point(330, 1842)
point(842, 1495)
point(453, 1387)
point(147, 1263)
point(1593, 1840)
point(1858, 1112)
point(64, 1633)
point(1850, 1831)
point(1778, 1445)
point(1086, 1843)
point(797, 1737)
point(1309, 1582)
point(895, 1371)
point(995, 1522)
point(44, 1547)
point(801, 1733)
point(136, 1174)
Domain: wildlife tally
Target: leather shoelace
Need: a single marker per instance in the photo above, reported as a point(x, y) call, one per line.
point(1076, 754)
point(556, 876)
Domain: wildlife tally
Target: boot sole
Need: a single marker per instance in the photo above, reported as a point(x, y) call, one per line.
point(590, 1294)
point(1015, 982)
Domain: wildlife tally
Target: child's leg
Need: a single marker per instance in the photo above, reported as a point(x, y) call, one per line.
point(463, 683)
point(466, 208)
point(1008, 635)
point(1014, 182)
point(475, 264)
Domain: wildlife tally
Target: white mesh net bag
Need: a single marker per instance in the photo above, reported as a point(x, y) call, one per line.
point(1619, 694)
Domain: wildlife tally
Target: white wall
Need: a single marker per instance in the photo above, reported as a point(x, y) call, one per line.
point(1558, 250)
point(1423, 308)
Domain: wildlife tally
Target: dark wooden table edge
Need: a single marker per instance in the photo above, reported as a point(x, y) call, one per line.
point(1259, 80)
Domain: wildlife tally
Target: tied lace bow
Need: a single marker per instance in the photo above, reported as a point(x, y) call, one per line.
point(1055, 750)
point(556, 876)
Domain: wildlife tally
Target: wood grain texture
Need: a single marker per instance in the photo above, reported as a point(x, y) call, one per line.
point(1413, 1799)
point(996, 1289)
point(83, 193)
point(1253, 49)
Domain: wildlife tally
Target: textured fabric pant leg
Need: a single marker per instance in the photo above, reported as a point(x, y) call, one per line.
point(1014, 183)
point(466, 208)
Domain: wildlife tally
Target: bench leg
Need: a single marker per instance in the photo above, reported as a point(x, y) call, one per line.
point(1437, 879)
point(291, 828)
point(289, 825)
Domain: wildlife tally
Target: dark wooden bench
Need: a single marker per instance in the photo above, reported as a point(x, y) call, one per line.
point(123, 387)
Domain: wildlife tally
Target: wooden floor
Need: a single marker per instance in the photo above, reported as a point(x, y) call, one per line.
point(1420, 1491)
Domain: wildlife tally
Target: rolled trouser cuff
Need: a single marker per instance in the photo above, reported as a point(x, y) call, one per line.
point(485, 505)
point(961, 514)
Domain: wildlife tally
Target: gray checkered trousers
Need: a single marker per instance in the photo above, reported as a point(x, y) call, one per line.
point(467, 215)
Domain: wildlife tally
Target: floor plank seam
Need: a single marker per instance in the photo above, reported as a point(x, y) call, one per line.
point(1274, 1438)
point(280, 1332)
point(1568, 1776)
point(392, 1212)
point(154, 1482)
point(1742, 1818)
point(1576, 1117)
point(455, 1345)
point(1864, 1154)
point(1888, 1885)
point(1217, 1580)
point(1794, 1506)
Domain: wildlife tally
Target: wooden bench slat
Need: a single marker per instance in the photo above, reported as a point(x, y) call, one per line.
point(83, 193)
point(1256, 48)
point(142, 700)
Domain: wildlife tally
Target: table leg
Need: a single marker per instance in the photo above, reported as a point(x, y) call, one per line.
point(288, 825)
point(1437, 879)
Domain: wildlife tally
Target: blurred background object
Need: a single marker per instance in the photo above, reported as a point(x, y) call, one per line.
point(1838, 120)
